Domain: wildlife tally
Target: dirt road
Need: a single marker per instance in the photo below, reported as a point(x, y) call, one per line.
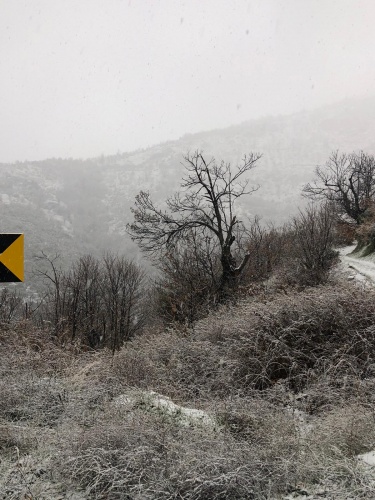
point(361, 269)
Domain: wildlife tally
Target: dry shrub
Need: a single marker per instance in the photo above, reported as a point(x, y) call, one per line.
point(312, 246)
point(345, 431)
point(364, 231)
point(323, 334)
point(181, 367)
point(10, 304)
point(365, 235)
point(27, 477)
point(15, 436)
point(297, 337)
point(31, 387)
point(260, 448)
point(345, 233)
point(298, 254)
point(25, 398)
point(135, 454)
point(258, 422)
point(258, 451)
point(324, 392)
point(266, 246)
point(137, 364)
point(324, 331)
point(27, 348)
point(190, 274)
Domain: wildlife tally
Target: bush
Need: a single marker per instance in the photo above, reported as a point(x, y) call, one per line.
point(345, 233)
point(288, 378)
point(323, 332)
point(138, 454)
point(97, 303)
point(266, 246)
point(365, 233)
point(327, 330)
point(10, 305)
point(190, 275)
point(313, 244)
point(298, 254)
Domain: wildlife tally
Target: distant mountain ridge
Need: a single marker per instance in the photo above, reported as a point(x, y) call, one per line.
point(72, 207)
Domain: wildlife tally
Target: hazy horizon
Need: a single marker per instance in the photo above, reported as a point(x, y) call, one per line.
point(81, 79)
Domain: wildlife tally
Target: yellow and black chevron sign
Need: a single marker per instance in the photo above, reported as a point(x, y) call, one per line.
point(11, 258)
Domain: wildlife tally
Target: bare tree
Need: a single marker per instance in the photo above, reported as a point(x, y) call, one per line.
point(121, 294)
point(82, 285)
point(98, 302)
point(206, 205)
point(313, 237)
point(52, 275)
point(348, 180)
point(265, 244)
point(189, 279)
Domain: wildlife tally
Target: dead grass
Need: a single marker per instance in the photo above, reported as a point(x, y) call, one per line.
point(321, 333)
point(148, 455)
point(299, 337)
point(289, 379)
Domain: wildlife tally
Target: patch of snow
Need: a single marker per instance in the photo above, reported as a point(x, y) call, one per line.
point(123, 400)
point(347, 250)
point(360, 268)
point(151, 400)
point(301, 419)
point(365, 268)
point(368, 458)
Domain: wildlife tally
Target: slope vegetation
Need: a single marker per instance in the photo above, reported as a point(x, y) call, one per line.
point(265, 399)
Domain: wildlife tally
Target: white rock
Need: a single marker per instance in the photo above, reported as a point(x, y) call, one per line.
point(368, 458)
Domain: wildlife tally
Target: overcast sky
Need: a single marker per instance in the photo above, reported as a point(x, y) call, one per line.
point(79, 78)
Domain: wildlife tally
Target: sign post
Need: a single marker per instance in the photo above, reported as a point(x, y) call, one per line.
point(11, 258)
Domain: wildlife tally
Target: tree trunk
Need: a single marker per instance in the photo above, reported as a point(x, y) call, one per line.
point(230, 274)
point(228, 278)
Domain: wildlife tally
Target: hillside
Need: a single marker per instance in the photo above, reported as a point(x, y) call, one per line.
point(72, 207)
point(111, 388)
point(270, 399)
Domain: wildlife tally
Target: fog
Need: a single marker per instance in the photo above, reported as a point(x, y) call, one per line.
point(91, 77)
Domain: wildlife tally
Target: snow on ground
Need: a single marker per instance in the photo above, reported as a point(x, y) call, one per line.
point(358, 268)
point(151, 401)
point(368, 458)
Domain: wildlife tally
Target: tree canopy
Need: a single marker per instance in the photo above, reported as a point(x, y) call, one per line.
point(205, 205)
point(347, 180)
